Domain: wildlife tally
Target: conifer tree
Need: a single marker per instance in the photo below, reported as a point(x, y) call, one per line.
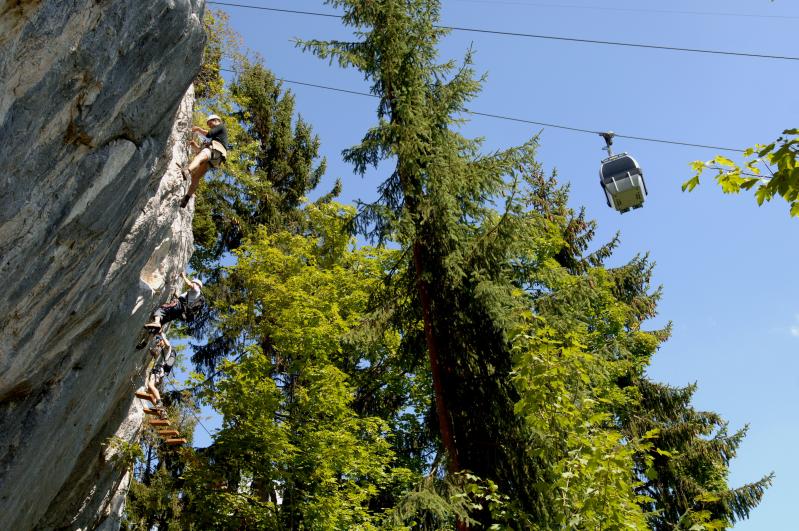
point(686, 479)
point(464, 263)
point(437, 205)
point(419, 207)
point(683, 471)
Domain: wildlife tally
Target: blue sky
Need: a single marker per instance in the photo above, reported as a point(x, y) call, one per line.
point(727, 266)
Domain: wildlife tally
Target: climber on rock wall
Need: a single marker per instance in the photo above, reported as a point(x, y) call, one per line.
point(212, 153)
point(183, 307)
point(164, 360)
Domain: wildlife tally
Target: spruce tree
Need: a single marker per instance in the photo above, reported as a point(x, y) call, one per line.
point(437, 206)
point(686, 473)
point(683, 470)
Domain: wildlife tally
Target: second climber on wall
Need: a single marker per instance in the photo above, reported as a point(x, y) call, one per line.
point(212, 154)
point(184, 307)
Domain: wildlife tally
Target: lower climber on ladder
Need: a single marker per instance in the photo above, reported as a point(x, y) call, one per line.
point(164, 360)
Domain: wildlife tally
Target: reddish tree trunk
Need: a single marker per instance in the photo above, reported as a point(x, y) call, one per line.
point(444, 419)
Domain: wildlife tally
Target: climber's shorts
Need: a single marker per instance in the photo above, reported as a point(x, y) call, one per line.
point(215, 156)
point(158, 372)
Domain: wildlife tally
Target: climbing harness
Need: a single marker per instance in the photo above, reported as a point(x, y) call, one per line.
point(218, 153)
point(190, 311)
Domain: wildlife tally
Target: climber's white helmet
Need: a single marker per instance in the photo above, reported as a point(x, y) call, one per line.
point(212, 117)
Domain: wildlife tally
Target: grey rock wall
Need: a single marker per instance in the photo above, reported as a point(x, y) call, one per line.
point(93, 110)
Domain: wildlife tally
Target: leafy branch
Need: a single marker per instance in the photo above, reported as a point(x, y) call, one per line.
point(734, 178)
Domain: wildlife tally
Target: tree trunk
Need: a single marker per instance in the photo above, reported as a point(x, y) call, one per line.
point(444, 418)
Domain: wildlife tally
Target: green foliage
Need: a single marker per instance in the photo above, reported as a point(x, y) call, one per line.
point(125, 453)
point(567, 401)
point(438, 503)
point(288, 396)
point(272, 164)
point(685, 476)
point(734, 178)
point(156, 498)
point(153, 503)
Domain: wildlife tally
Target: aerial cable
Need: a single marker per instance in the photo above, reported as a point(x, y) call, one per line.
point(519, 120)
point(629, 9)
point(627, 44)
point(279, 10)
point(535, 36)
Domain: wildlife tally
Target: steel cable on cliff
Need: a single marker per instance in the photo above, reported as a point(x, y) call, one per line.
point(176, 390)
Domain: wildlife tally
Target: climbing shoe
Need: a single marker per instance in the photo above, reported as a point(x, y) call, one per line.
point(185, 201)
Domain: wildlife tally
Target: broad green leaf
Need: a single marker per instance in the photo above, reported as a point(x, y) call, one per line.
point(690, 184)
point(724, 161)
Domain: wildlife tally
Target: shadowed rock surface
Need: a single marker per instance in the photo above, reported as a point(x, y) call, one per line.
point(91, 238)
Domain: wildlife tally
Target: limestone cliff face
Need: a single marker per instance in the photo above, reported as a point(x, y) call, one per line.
point(93, 110)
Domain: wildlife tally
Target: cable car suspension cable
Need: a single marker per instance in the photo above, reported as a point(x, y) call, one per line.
point(534, 36)
point(630, 9)
point(518, 120)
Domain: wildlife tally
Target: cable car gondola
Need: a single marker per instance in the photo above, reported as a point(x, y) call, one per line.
point(621, 179)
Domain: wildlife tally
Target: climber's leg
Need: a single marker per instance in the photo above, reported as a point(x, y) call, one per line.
point(153, 382)
point(196, 175)
point(172, 311)
point(156, 322)
point(164, 314)
point(202, 157)
point(196, 170)
point(153, 389)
